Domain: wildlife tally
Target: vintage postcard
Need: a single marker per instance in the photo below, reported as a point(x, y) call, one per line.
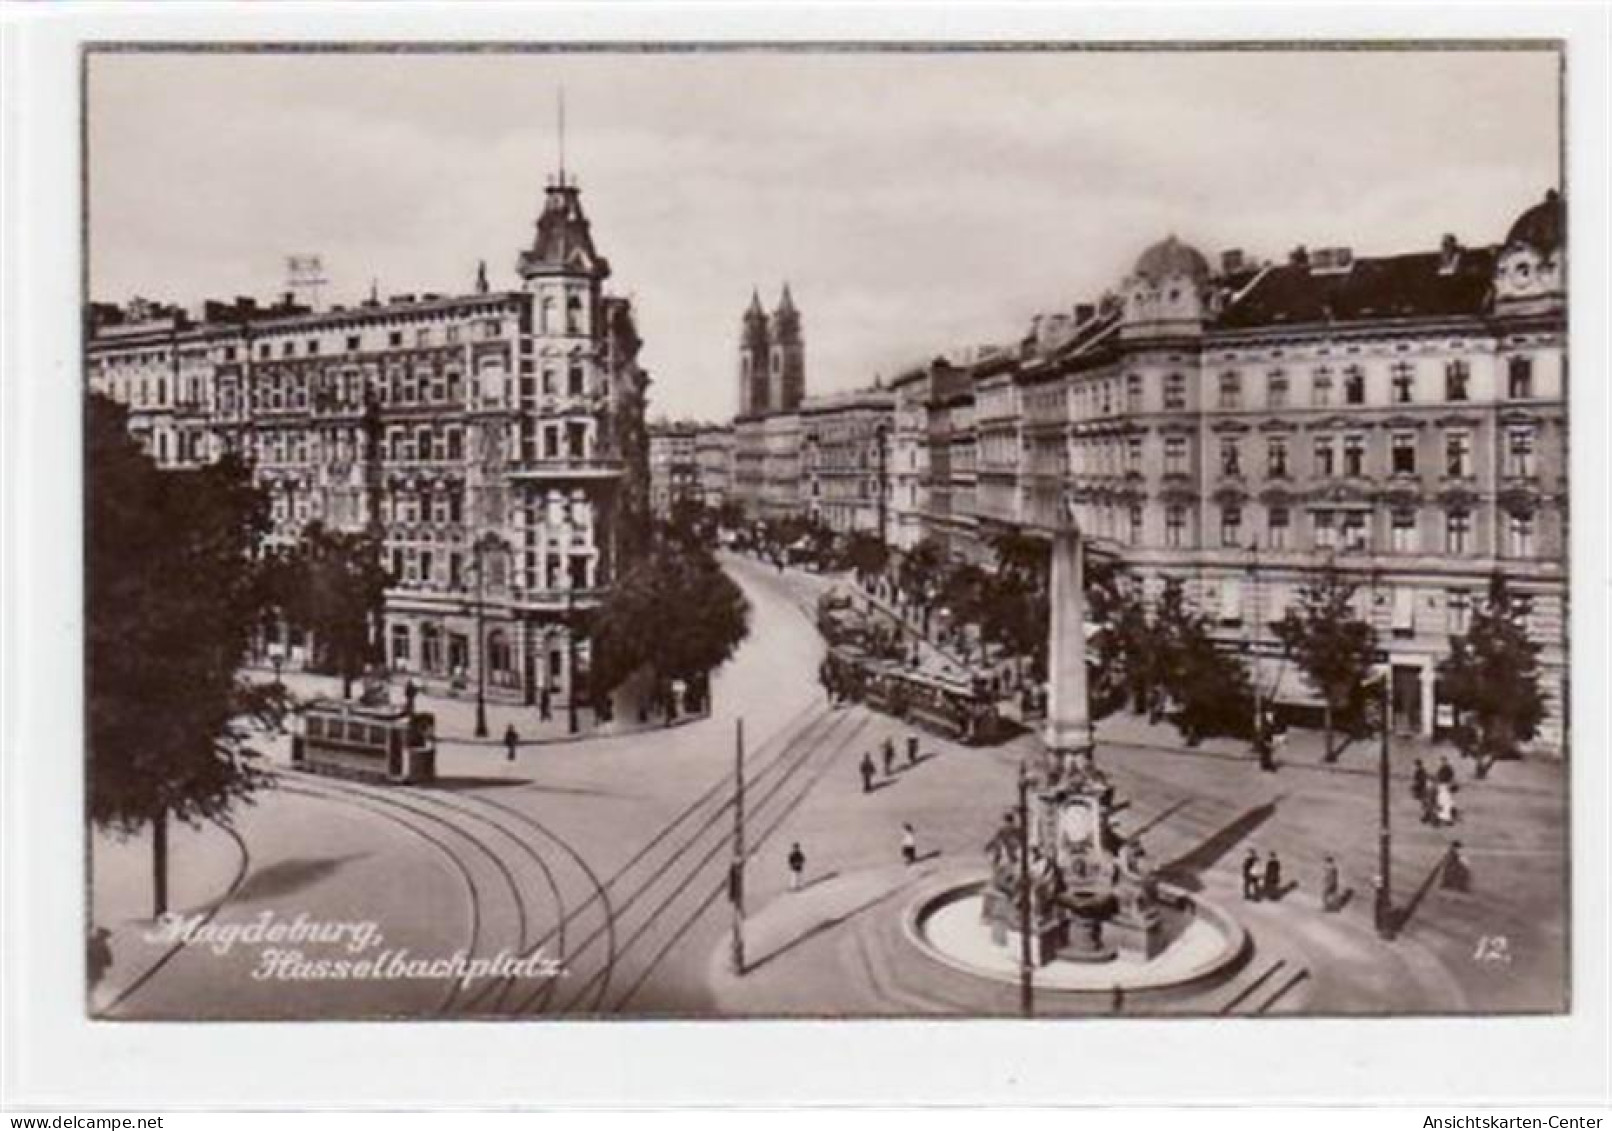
point(780, 531)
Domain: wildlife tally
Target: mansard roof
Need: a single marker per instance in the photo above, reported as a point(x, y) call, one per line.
point(1419, 285)
point(564, 240)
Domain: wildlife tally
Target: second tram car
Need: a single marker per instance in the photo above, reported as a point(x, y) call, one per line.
point(371, 743)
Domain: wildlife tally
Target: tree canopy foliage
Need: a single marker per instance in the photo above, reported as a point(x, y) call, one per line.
point(333, 585)
point(172, 595)
point(1491, 679)
point(674, 613)
point(1335, 650)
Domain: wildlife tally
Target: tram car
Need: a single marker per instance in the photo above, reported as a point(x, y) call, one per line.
point(370, 743)
point(955, 708)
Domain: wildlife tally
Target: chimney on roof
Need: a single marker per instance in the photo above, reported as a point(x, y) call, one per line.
point(1231, 261)
point(1449, 253)
point(1299, 256)
point(1084, 312)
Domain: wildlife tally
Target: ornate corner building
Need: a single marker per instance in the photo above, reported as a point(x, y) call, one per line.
point(494, 441)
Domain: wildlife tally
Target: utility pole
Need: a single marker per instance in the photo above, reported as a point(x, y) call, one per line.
point(571, 659)
point(481, 639)
point(1026, 953)
point(1385, 897)
point(736, 868)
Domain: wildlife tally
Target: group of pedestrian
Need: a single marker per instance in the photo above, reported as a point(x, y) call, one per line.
point(1435, 793)
point(796, 860)
point(888, 755)
point(1262, 879)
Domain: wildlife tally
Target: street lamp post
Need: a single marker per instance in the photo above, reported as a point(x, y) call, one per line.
point(1386, 927)
point(571, 659)
point(1026, 952)
point(1262, 736)
point(487, 542)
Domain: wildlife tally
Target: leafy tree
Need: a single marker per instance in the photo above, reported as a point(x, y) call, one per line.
point(1021, 561)
point(172, 596)
point(675, 612)
point(1491, 679)
point(866, 553)
point(921, 567)
point(1334, 649)
point(337, 593)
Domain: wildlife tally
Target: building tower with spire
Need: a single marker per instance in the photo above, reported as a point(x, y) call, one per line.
point(755, 357)
point(787, 371)
point(772, 358)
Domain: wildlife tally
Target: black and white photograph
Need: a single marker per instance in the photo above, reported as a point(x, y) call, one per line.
point(1072, 531)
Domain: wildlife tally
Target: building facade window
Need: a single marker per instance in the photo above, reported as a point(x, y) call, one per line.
point(1175, 455)
point(1325, 528)
point(1276, 528)
point(1354, 455)
point(1520, 378)
point(1520, 535)
point(1520, 452)
point(1231, 389)
point(1458, 454)
point(1402, 453)
point(1404, 382)
point(1175, 525)
point(1276, 389)
point(1457, 376)
point(1133, 392)
point(1231, 526)
point(1136, 525)
point(1356, 534)
point(1321, 388)
point(1354, 385)
point(1324, 466)
point(1457, 611)
point(1457, 531)
point(1276, 457)
point(1402, 533)
point(1175, 392)
point(1231, 462)
point(1133, 454)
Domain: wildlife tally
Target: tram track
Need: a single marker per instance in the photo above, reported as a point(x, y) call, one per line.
point(753, 847)
point(782, 737)
point(670, 879)
point(388, 808)
point(394, 794)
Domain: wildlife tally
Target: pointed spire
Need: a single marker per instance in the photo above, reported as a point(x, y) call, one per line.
point(562, 135)
point(786, 303)
point(481, 277)
point(374, 292)
point(755, 303)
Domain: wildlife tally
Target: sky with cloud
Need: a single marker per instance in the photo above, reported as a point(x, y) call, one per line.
point(916, 202)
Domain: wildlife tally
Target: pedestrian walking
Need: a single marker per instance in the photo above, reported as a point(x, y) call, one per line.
point(912, 749)
point(1446, 772)
point(1273, 877)
point(1419, 780)
point(410, 692)
point(889, 753)
point(545, 704)
point(797, 866)
point(909, 844)
point(1444, 802)
point(867, 772)
point(1251, 874)
point(1331, 886)
point(511, 740)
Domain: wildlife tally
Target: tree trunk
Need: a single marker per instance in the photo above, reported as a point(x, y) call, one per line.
point(346, 684)
point(1326, 731)
point(159, 865)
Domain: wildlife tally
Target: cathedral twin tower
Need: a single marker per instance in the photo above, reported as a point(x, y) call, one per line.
point(772, 358)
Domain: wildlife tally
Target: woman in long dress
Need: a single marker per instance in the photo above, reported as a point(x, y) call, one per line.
point(1445, 800)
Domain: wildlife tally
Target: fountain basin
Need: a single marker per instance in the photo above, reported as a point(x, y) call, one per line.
point(1204, 945)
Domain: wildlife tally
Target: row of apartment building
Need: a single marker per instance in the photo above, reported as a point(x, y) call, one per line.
point(1237, 426)
point(495, 441)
